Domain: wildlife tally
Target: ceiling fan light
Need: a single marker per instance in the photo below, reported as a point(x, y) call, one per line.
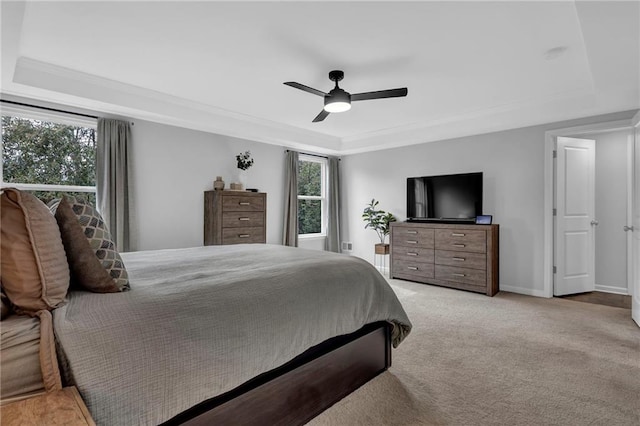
point(337, 101)
point(338, 106)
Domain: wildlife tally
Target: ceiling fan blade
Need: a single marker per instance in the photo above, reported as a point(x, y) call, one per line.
point(380, 94)
point(323, 114)
point(305, 88)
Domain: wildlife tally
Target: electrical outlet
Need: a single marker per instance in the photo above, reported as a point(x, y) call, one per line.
point(347, 246)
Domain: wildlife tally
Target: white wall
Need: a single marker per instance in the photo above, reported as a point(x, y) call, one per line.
point(611, 210)
point(513, 164)
point(173, 167)
point(311, 243)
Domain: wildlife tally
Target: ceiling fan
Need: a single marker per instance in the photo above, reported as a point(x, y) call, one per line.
point(337, 100)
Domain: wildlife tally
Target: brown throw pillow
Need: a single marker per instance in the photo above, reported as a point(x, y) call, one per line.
point(94, 261)
point(35, 273)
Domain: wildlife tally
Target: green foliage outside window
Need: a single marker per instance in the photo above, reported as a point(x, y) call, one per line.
point(310, 184)
point(309, 178)
point(42, 152)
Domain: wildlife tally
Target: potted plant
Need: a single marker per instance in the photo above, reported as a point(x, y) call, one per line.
point(244, 161)
point(379, 221)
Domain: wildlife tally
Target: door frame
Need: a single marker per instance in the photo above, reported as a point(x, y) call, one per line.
point(549, 187)
point(635, 243)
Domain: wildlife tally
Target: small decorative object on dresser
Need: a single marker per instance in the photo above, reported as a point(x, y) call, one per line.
point(234, 217)
point(458, 256)
point(484, 219)
point(218, 184)
point(244, 161)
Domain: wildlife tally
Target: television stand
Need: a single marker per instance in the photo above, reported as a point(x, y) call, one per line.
point(462, 256)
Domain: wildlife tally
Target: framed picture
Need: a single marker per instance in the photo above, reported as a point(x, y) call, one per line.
point(484, 219)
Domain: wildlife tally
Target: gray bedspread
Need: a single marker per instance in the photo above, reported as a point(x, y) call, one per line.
point(201, 321)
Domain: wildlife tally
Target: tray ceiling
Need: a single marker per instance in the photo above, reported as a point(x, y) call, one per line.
point(471, 67)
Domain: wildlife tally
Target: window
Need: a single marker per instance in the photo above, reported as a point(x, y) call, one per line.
point(48, 154)
point(312, 189)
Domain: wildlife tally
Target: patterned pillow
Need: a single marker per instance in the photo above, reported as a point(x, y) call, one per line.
point(94, 260)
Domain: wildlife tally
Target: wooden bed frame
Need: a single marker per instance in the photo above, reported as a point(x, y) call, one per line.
point(302, 388)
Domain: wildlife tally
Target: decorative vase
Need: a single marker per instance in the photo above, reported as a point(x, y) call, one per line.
point(218, 184)
point(242, 179)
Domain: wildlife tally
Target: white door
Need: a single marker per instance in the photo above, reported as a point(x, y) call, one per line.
point(574, 253)
point(635, 229)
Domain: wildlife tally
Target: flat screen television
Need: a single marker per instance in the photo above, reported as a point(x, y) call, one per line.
point(446, 198)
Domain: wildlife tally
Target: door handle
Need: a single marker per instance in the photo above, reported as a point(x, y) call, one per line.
point(628, 228)
point(594, 222)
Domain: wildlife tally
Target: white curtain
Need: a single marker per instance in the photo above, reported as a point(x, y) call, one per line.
point(290, 228)
point(332, 242)
point(113, 181)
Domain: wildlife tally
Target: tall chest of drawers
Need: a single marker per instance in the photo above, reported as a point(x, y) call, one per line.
point(458, 256)
point(235, 217)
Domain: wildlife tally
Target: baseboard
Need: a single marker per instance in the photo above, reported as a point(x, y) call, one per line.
point(523, 290)
point(611, 289)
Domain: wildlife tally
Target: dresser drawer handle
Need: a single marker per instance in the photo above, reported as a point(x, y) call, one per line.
point(412, 232)
point(243, 218)
point(458, 245)
point(411, 242)
point(458, 275)
point(456, 234)
point(412, 268)
point(244, 235)
point(459, 259)
point(411, 254)
point(244, 203)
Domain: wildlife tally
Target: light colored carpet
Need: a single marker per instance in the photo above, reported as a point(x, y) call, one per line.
point(506, 360)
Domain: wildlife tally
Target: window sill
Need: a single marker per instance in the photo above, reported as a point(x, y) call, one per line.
point(311, 236)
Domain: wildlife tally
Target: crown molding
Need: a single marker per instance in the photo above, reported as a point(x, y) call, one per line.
point(140, 103)
point(52, 83)
point(565, 105)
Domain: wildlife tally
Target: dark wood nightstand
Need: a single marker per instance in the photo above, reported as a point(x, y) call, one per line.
point(62, 407)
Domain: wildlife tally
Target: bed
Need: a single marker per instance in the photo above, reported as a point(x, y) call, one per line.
point(220, 317)
point(254, 334)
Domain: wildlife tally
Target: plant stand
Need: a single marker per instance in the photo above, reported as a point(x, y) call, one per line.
point(380, 258)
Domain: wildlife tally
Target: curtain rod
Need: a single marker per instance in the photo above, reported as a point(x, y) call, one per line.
point(48, 109)
point(311, 155)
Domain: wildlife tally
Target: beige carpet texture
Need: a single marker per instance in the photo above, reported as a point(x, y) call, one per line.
point(504, 360)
